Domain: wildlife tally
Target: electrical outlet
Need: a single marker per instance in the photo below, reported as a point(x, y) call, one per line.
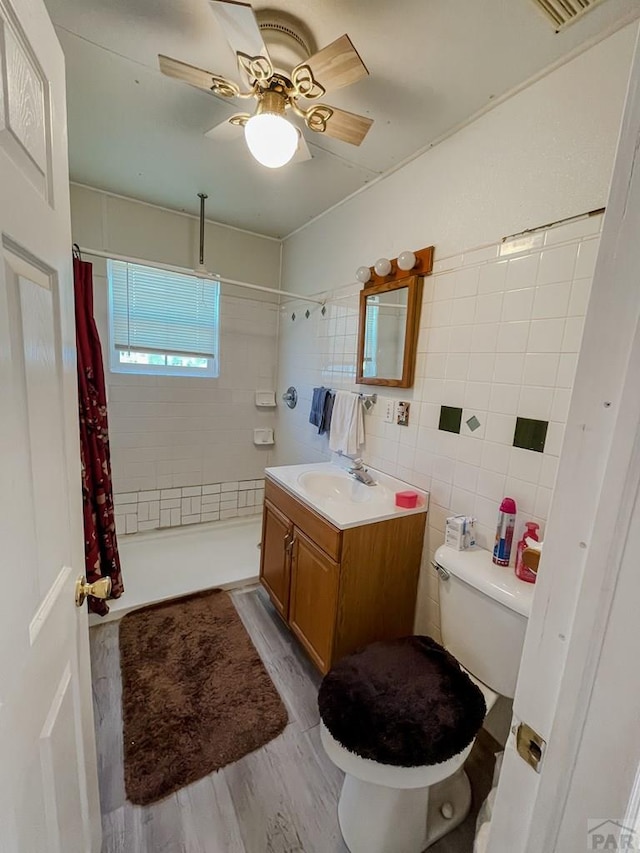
point(390, 412)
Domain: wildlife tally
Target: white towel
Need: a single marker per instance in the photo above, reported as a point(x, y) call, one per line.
point(347, 424)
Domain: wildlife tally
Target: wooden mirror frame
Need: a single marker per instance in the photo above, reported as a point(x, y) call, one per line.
point(414, 303)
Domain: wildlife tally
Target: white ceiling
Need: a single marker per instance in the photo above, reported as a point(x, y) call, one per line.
point(432, 63)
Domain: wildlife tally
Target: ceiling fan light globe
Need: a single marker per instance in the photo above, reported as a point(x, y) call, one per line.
point(271, 139)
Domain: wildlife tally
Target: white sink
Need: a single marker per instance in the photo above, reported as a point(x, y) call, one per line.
point(336, 487)
point(340, 498)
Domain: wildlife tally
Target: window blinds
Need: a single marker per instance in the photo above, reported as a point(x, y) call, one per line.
point(156, 310)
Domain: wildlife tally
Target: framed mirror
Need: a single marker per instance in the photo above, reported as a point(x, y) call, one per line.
point(388, 332)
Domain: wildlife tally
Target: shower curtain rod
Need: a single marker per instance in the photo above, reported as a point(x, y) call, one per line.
point(97, 253)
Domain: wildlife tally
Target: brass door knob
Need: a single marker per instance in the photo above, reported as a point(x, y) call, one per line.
point(98, 589)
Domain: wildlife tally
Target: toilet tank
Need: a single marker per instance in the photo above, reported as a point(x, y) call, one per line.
point(484, 611)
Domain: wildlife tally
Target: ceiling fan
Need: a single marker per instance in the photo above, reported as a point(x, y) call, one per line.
point(280, 84)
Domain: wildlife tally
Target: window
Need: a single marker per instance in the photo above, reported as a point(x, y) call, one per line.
point(162, 322)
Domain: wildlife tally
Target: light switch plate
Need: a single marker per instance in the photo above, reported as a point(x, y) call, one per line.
point(403, 414)
point(390, 412)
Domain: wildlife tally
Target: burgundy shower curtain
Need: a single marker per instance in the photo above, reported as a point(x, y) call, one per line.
point(100, 543)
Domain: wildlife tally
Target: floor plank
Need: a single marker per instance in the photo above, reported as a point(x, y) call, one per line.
point(122, 830)
point(107, 703)
point(291, 670)
point(163, 829)
point(280, 799)
point(209, 818)
point(263, 809)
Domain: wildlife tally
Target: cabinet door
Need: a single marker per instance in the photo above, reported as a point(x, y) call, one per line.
point(275, 557)
point(314, 595)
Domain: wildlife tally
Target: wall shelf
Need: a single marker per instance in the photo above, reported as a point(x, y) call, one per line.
point(266, 399)
point(263, 436)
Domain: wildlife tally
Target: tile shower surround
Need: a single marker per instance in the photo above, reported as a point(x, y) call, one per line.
point(182, 448)
point(500, 334)
point(161, 508)
point(170, 432)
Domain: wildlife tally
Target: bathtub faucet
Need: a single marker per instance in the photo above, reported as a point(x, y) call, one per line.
point(361, 473)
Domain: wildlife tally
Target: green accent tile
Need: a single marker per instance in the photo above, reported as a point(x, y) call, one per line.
point(473, 423)
point(530, 434)
point(450, 418)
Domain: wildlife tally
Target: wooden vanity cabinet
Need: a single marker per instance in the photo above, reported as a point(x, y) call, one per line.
point(313, 598)
point(275, 570)
point(339, 589)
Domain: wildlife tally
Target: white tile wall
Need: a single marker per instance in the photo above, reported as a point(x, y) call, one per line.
point(169, 431)
point(500, 333)
point(172, 507)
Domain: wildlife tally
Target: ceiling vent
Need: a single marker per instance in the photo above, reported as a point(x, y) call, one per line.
point(564, 12)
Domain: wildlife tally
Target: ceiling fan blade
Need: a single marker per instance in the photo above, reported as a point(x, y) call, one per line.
point(228, 130)
point(187, 73)
point(339, 124)
point(198, 77)
point(302, 152)
point(241, 30)
point(336, 65)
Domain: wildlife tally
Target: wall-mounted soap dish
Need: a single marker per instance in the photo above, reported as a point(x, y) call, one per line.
point(265, 399)
point(263, 435)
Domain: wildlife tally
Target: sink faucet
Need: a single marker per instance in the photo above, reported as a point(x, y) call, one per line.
point(361, 473)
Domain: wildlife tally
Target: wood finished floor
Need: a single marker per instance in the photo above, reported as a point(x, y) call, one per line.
point(280, 799)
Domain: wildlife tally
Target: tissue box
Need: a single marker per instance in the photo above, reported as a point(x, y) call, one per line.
point(460, 532)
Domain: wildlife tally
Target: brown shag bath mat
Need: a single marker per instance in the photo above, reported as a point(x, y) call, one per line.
point(195, 694)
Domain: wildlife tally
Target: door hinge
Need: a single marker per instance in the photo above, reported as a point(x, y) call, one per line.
point(530, 746)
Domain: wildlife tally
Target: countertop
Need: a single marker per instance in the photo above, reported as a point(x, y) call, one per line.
point(340, 498)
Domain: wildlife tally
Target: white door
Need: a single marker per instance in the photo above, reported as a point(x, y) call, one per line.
point(48, 787)
point(578, 685)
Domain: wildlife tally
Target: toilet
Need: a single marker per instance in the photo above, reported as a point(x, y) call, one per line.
point(386, 808)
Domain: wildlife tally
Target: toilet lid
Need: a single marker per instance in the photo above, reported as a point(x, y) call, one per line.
point(403, 702)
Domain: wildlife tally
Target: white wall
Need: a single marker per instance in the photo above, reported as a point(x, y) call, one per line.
point(100, 220)
point(543, 155)
point(499, 333)
point(499, 337)
point(175, 433)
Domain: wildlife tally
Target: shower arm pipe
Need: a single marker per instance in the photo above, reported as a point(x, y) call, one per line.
point(97, 253)
point(202, 197)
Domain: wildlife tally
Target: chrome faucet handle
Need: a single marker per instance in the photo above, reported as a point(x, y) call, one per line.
point(358, 464)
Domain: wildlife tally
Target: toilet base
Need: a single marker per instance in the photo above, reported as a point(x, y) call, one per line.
point(377, 819)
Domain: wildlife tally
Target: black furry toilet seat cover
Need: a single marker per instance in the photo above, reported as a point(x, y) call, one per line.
point(404, 702)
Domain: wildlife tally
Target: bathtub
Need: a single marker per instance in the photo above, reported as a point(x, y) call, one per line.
point(162, 564)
